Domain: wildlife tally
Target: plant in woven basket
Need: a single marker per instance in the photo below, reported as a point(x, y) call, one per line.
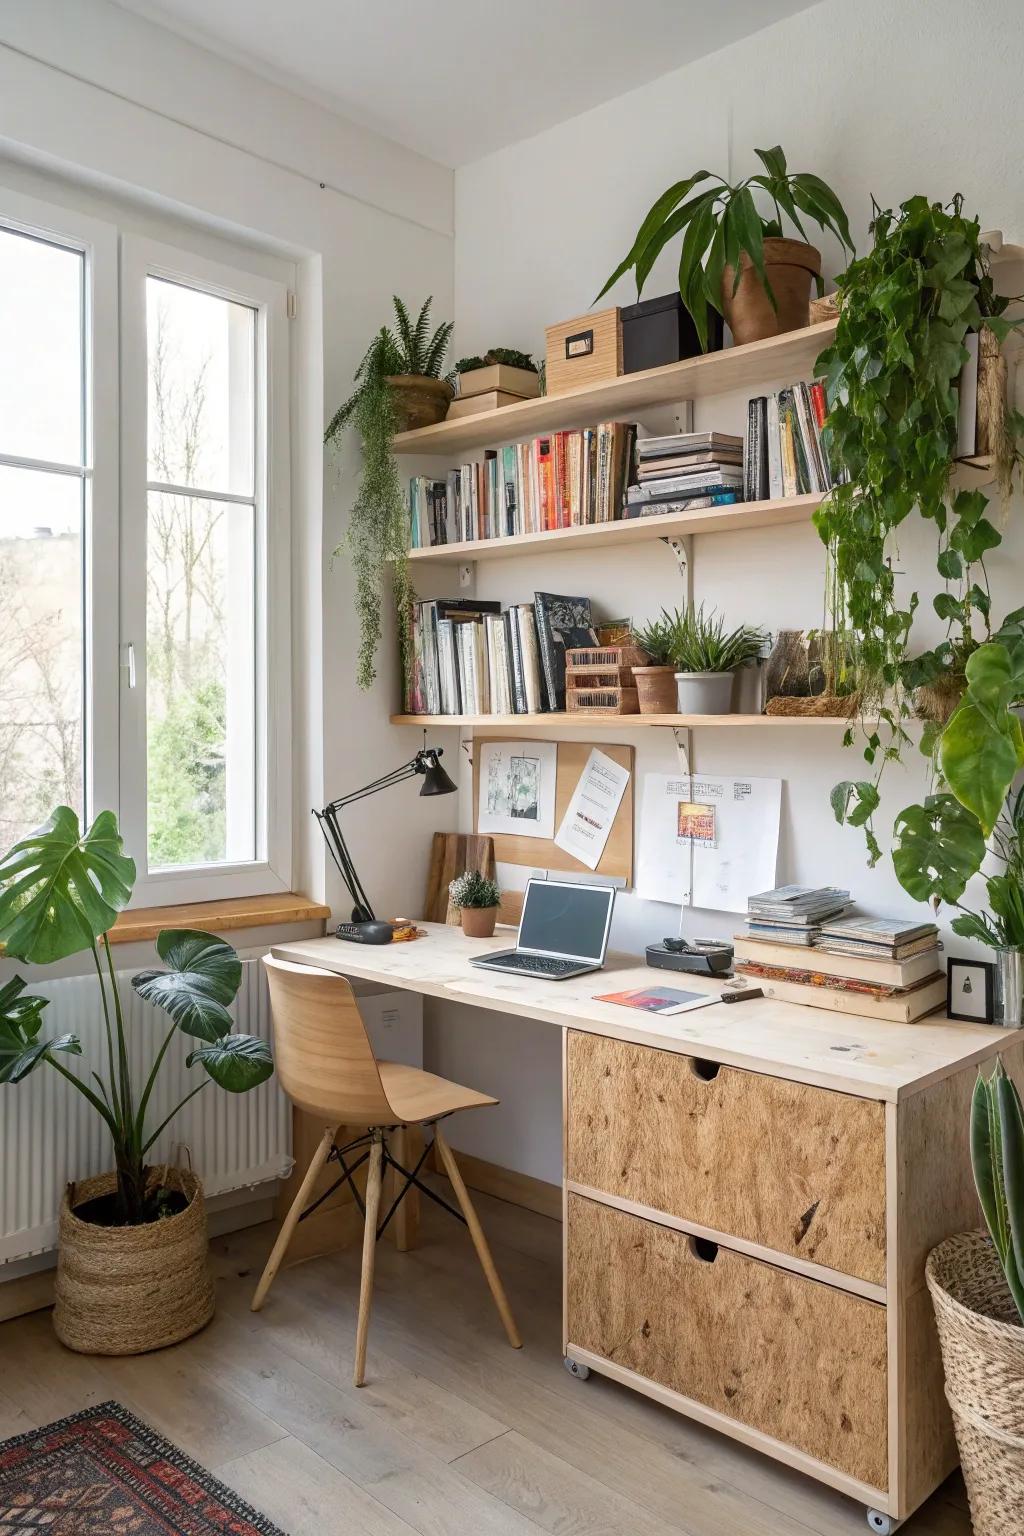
point(474, 890)
point(699, 642)
point(997, 1156)
point(378, 531)
point(61, 890)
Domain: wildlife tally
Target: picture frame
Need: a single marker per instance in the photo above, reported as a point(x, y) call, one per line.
point(970, 990)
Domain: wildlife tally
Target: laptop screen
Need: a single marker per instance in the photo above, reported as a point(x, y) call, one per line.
point(566, 919)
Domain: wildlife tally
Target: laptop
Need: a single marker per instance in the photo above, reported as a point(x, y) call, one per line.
point(563, 931)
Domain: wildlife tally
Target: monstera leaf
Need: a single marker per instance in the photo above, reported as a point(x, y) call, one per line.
point(237, 1062)
point(940, 846)
point(21, 1020)
point(203, 975)
point(60, 889)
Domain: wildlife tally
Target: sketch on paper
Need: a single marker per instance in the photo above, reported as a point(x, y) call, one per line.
point(513, 788)
point(517, 788)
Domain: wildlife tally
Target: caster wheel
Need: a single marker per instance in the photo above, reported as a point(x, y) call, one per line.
point(581, 1372)
point(883, 1525)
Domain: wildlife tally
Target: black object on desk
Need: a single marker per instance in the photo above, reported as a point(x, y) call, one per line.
point(704, 957)
point(364, 927)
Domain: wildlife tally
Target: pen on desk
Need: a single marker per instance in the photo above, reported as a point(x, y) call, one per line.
point(740, 995)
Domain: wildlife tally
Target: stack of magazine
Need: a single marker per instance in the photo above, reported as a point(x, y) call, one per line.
point(793, 914)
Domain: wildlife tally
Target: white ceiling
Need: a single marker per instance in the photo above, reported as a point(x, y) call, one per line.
point(456, 79)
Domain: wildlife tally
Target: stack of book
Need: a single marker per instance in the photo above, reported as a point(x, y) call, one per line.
point(686, 470)
point(561, 480)
point(793, 914)
point(886, 968)
point(783, 454)
point(471, 658)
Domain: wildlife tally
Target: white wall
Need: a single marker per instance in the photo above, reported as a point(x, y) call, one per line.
point(894, 99)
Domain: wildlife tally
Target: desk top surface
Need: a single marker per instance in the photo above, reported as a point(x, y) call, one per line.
point(868, 1057)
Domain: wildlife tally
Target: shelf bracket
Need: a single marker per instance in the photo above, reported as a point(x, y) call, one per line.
point(681, 546)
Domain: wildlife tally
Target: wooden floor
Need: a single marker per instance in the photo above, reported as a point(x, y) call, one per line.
point(454, 1434)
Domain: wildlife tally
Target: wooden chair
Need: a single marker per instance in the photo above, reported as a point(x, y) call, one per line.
point(326, 1065)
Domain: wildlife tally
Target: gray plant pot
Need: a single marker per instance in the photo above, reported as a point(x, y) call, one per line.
point(704, 693)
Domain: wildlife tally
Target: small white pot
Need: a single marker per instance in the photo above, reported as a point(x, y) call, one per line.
point(704, 693)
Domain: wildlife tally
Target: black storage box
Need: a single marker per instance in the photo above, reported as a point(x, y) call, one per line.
point(659, 331)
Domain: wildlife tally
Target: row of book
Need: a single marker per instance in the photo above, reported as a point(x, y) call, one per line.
point(803, 947)
point(685, 470)
point(471, 657)
point(561, 480)
point(784, 453)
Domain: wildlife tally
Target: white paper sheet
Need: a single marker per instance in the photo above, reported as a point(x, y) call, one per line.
point(707, 841)
point(592, 809)
point(517, 787)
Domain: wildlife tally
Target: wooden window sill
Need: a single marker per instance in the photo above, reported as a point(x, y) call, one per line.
point(143, 923)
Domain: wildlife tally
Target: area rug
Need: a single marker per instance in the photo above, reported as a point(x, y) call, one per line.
point(104, 1473)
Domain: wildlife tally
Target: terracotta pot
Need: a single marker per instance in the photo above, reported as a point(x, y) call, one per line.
point(124, 1290)
point(656, 690)
point(478, 922)
point(419, 402)
point(790, 265)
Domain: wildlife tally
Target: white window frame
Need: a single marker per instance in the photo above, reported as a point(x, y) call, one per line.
point(97, 241)
point(270, 871)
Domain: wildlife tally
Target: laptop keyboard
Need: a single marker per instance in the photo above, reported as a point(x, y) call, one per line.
point(545, 965)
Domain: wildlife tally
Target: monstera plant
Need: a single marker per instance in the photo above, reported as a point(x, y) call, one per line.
point(60, 892)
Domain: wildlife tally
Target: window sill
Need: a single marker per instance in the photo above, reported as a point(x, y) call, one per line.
point(143, 923)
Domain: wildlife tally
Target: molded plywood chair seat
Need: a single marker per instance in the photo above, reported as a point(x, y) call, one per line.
point(326, 1066)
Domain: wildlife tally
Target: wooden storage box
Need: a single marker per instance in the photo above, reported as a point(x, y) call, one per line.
point(599, 680)
point(522, 382)
point(584, 350)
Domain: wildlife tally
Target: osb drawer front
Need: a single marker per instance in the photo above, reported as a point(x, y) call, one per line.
point(798, 1360)
point(793, 1167)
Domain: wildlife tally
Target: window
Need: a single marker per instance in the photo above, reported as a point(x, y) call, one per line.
point(144, 569)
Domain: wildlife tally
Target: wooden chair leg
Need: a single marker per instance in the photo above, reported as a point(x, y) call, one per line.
point(290, 1222)
point(476, 1232)
point(373, 1182)
point(407, 1141)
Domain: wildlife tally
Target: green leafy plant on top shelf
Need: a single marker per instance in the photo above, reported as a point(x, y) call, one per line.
point(60, 893)
point(693, 641)
point(892, 373)
point(474, 890)
point(997, 1157)
point(655, 638)
point(722, 221)
point(378, 531)
point(509, 356)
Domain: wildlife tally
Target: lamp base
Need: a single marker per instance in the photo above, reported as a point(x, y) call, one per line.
point(365, 933)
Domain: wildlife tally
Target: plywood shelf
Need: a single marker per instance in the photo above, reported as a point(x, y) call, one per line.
point(562, 722)
point(635, 530)
point(779, 359)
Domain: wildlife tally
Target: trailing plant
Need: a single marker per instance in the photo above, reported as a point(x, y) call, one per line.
point(721, 222)
point(60, 893)
point(378, 531)
point(699, 642)
point(509, 356)
point(997, 1157)
point(473, 889)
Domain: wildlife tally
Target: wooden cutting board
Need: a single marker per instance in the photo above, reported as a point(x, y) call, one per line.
point(452, 854)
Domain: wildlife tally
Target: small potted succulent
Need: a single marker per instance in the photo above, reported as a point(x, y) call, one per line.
point(476, 897)
point(706, 657)
point(656, 680)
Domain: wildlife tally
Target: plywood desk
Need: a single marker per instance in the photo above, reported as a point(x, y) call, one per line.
point(749, 1192)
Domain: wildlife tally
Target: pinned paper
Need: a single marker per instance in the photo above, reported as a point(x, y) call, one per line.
point(592, 809)
point(707, 842)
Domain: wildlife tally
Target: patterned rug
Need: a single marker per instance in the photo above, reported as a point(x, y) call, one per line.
point(104, 1473)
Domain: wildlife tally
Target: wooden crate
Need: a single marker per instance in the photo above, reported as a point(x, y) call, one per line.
point(602, 699)
point(584, 350)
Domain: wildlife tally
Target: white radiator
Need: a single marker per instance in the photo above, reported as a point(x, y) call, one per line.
point(49, 1134)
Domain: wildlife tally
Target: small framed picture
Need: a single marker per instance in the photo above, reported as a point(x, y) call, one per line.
point(970, 990)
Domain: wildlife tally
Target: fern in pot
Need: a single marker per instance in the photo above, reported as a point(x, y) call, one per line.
point(706, 656)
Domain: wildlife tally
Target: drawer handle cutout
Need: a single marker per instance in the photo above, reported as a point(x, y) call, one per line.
point(707, 1071)
point(704, 1249)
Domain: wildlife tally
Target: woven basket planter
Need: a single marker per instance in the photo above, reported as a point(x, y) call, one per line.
point(983, 1358)
point(418, 401)
point(125, 1290)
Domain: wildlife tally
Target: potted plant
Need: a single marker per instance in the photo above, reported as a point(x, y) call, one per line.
point(133, 1271)
point(477, 898)
point(656, 680)
point(735, 258)
point(706, 657)
point(501, 368)
point(977, 1289)
point(399, 386)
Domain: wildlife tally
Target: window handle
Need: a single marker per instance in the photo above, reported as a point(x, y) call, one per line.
point(129, 662)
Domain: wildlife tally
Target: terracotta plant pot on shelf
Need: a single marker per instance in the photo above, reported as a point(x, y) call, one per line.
point(656, 690)
point(790, 265)
point(419, 401)
point(478, 922)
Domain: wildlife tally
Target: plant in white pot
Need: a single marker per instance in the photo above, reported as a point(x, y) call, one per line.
point(476, 898)
point(706, 657)
point(133, 1272)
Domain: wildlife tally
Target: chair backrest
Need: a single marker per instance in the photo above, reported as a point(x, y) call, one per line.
point(324, 1058)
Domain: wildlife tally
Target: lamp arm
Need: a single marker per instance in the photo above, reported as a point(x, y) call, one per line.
point(330, 826)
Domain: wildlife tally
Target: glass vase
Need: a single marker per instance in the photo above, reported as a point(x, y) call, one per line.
point(1009, 988)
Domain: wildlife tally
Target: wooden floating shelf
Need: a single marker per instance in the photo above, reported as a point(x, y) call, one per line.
point(633, 530)
point(561, 722)
point(787, 357)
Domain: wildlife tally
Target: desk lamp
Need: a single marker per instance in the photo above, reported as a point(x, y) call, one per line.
point(364, 927)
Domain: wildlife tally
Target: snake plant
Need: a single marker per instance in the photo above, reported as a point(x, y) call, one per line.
point(997, 1156)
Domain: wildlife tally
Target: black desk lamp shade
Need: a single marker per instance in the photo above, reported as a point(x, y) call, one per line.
point(425, 765)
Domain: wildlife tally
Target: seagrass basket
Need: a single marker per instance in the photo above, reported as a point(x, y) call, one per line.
point(983, 1357)
point(125, 1290)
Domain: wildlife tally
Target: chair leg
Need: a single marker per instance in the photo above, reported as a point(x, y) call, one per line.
point(290, 1222)
point(408, 1144)
point(373, 1183)
point(476, 1232)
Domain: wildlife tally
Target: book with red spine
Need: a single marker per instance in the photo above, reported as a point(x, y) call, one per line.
point(546, 480)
